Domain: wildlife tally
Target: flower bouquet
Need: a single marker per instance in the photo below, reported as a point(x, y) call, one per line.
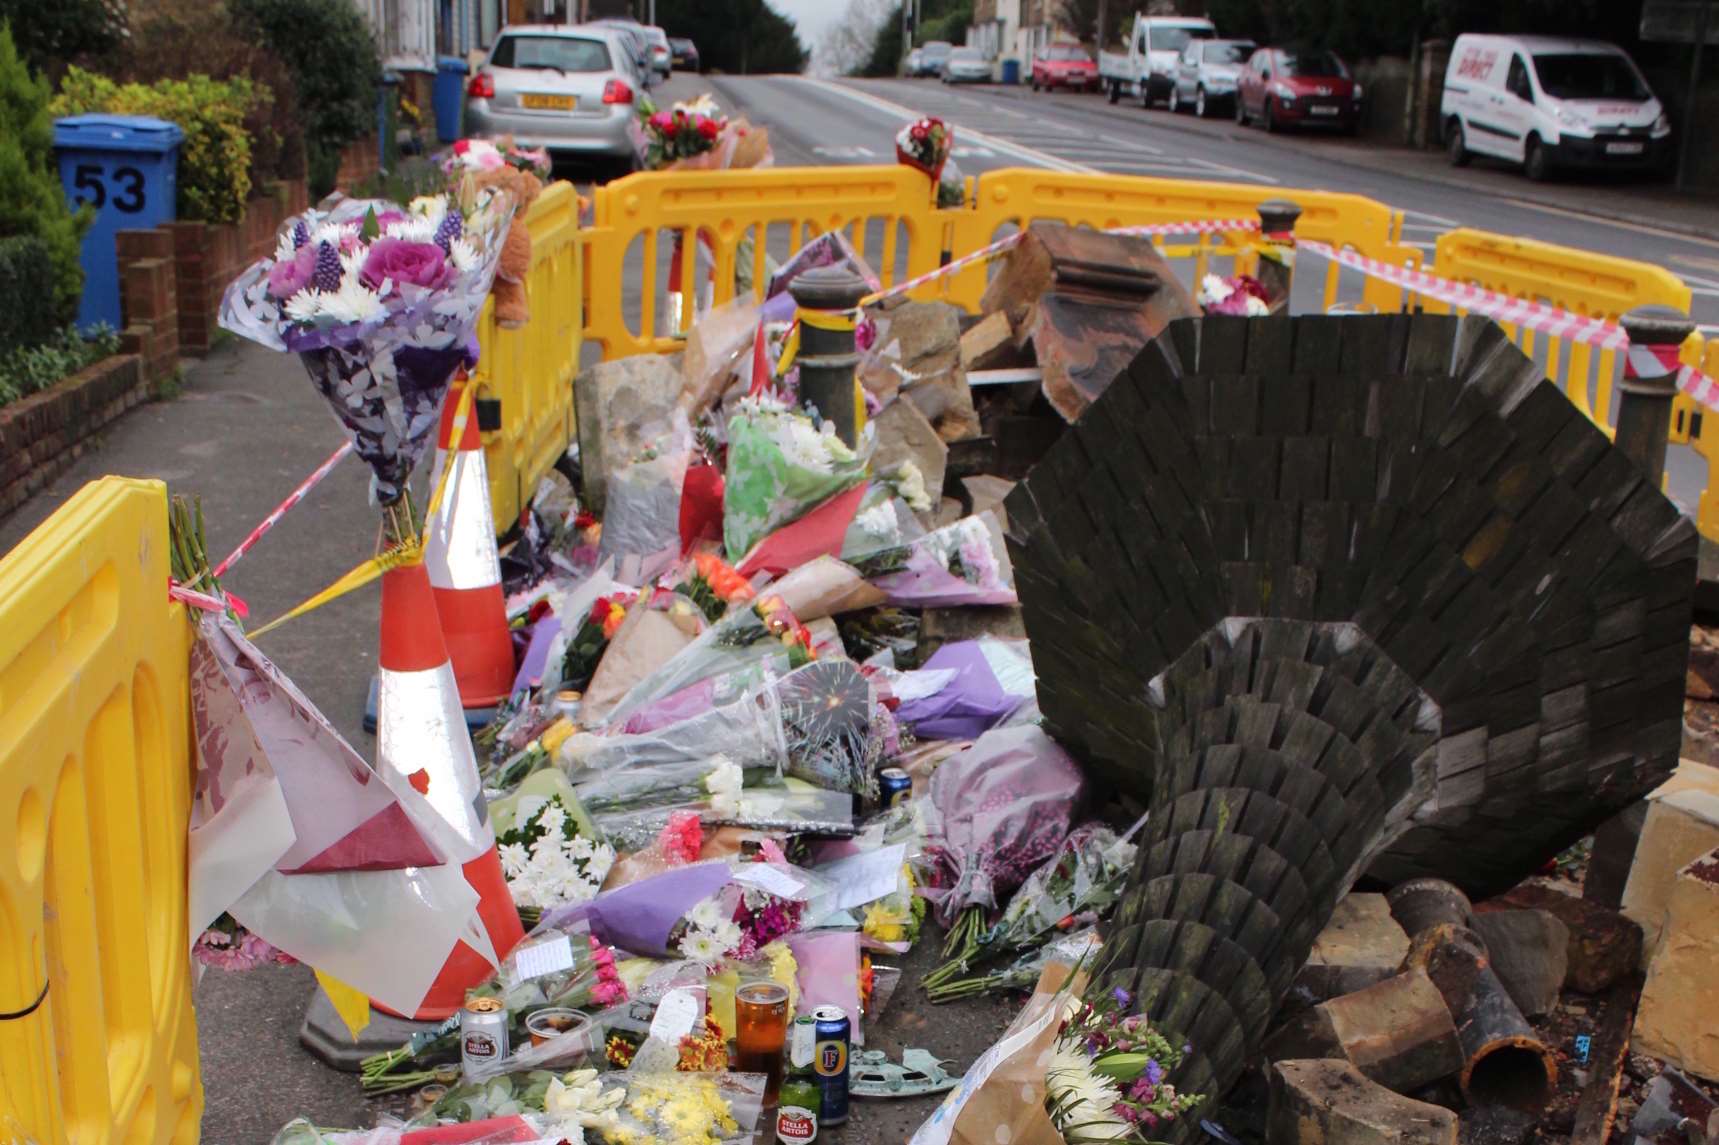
point(834, 726)
point(781, 465)
point(763, 632)
point(596, 629)
point(1005, 805)
point(925, 145)
point(713, 585)
point(954, 565)
point(735, 923)
point(1084, 876)
point(492, 155)
point(379, 302)
point(1242, 295)
point(688, 1108)
point(226, 945)
point(682, 137)
point(560, 968)
point(1106, 1078)
point(547, 860)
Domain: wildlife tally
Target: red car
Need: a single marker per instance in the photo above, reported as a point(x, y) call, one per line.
point(1064, 65)
point(1281, 88)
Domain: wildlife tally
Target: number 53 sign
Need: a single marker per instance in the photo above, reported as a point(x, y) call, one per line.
point(91, 183)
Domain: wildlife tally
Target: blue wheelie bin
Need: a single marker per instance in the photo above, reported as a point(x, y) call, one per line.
point(448, 97)
point(125, 167)
point(1011, 72)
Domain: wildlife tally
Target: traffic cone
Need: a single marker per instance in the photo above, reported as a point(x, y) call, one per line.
point(459, 553)
point(421, 736)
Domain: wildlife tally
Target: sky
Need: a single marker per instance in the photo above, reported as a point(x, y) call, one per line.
point(811, 17)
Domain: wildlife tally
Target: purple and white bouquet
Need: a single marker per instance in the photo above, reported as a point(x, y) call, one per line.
point(379, 301)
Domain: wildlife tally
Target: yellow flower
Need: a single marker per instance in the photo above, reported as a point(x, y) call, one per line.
point(884, 924)
point(683, 1119)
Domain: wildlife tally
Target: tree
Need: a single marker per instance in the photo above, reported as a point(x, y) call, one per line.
point(742, 36)
point(33, 210)
point(847, 46)
point(886, 48)
point(49, 34)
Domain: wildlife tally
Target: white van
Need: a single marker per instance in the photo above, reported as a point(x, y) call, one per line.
point(1147, 70)
point(1546, 103)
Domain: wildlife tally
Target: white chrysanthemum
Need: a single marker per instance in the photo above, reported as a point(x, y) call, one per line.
point(353, 302)
point(284, 250)
point(581, 848)
point(909, 482)
point(431, 207)
point(833, 445)
point(727, 934)
point(701, 946)
point(1257, 307)
point(462, 254)
point(707, 915)
point(514, 859)
point(304, 306)
point(352, 262)
point(553, 819)
point(1081, 1097)
point(413, 230)
point(1214, 290)
point(724, 784)
point(877, 521)
point(802, 445)
point(333, 233)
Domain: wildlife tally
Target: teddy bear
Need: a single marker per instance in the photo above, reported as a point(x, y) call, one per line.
point(512, 306)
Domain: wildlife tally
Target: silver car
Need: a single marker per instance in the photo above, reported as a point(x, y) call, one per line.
point(967, 65)
point(1206, 73)
point(662, 55)
point(568, 89)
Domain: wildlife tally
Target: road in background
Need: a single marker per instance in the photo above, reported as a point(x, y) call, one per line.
point(854, 121)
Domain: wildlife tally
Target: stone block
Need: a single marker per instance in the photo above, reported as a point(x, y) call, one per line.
point(1361, 945)
point(905, 434)
point(1679, 1017)
point(1530, 954)
point(1682, 822)
point(1604, 945)
point(1325, 1102)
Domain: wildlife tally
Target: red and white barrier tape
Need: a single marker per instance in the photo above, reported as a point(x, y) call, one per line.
point(1552, 320)
point(1002, 245)
point(205, 601)
point(280, 511)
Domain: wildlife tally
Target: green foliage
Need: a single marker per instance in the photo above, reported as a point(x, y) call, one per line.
point(174, 38)
point(1361, 29)
point(25, 263)
point(50, 33)
point(744, 37)
point(332, 55)
point(29, 369)
point(215, 156)
point(950, 22)
point(31, 202)
point(886, 49)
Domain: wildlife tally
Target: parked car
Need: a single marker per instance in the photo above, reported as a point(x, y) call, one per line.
point(568, 89)
point(915, 65)
point(683, 54)
point(933, 56)
point(1064, 65)
point(638, 47)
point(1281, 87)
point(1206, 74)
point(966, 65)
point(1548, 103)
point(662, 55)
point(1145, 70)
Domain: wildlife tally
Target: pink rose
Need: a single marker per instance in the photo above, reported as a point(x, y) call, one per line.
point(419, 264)
point(292, 275)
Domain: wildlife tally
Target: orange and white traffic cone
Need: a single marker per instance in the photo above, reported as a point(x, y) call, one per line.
point(460, 554)
point(421, 736)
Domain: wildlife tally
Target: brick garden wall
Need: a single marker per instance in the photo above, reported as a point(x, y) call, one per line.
point(44, 433)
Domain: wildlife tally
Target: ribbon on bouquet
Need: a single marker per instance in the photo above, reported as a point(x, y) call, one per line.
point(409, 552)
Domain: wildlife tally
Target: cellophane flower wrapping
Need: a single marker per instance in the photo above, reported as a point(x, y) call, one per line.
point(959, 564)
point(758, 634)
point(830, 717)
point(690, 1107)
point(547, 859)
point(380, 303)
point(780, 466)
point(1004, 806)
point(1084, 877)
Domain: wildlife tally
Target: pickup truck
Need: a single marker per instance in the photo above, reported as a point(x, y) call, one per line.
point(1147, 69)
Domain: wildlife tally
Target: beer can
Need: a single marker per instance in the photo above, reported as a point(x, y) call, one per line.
point(483, 1034)
point(896, 786)
point(831, 1063)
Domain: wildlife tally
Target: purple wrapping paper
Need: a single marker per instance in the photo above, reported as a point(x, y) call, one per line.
point(968, 705)
point(638, 917)
point(531, 666)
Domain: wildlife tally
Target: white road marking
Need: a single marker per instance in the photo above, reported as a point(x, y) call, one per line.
point(854, 152)
point(1431, 218)
point(1012, 114)
point(1657, 232)
point(1435, 227)
point(897, 111)
point(1702, 293)
point(1132, 145)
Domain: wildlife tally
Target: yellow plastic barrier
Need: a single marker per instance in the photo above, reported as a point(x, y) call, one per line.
point(531, 369)
point(1016, 197)
point(644, 213)
point(95, 794)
